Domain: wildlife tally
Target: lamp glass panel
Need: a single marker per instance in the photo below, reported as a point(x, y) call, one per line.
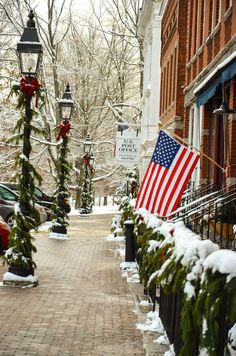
point(87, 146)
point(66, 112)
point(29, 62)
point(91, 161)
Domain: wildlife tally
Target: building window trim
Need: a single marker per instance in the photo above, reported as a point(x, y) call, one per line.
point(228, 13)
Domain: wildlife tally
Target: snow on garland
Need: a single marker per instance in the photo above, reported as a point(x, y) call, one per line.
point(171, 254)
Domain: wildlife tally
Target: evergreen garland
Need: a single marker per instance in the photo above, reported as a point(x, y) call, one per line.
point(21, 245)
point(90, 197)
point(61, 206)
point(86, 204)
point(212, 301)
point(216, 306)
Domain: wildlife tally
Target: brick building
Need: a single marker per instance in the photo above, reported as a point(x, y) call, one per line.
point(210, 81)
point(173, 55)
point(198, 65)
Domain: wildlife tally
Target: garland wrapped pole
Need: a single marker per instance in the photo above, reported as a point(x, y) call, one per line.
point(88, 171)
point(19, 255)
point(61, 208)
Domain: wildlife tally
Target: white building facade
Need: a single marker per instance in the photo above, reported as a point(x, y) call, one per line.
point(149, 28)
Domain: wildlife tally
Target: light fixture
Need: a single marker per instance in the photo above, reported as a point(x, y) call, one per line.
point(91, 160)
point(66, 104)
point(223, 109)
point(87, 144)
point(29, 48)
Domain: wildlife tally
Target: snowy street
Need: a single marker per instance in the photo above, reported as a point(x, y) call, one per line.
point(82, 305)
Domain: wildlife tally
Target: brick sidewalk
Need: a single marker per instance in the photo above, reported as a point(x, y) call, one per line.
point(81, 306)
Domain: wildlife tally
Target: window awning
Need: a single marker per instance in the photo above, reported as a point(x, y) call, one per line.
point(208, 91)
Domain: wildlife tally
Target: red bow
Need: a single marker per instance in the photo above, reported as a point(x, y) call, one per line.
point(29, 85)
point(64, 129)
point(86, 159)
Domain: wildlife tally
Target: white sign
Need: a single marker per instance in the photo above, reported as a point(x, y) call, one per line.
point(127, 149)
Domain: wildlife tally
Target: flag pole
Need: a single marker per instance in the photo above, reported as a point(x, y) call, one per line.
point(193, 147)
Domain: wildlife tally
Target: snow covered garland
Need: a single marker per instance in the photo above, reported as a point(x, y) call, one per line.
point(19, 254)
point(173, 256)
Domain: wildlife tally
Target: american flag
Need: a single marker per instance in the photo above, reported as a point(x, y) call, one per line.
point(166, 176)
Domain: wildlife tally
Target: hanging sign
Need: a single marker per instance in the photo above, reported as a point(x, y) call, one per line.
point(127, 150)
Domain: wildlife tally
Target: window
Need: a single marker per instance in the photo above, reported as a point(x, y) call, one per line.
point(210, 28)
point(7, 194)
point(171, 80)
point(196, 27)
point(190, 17)
point(38, 193)
point(202, 21)
point(217, 10)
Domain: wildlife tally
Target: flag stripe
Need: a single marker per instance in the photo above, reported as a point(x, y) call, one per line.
point(159, 184)
point(150, 184)
point(145, 180)
point(178, 183)
point(175, 179)
point(160, 172)
point(166, 184)
point(174, 207)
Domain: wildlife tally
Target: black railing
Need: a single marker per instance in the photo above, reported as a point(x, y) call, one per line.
point(212, 216)
point(170, 313)
point(210, 213)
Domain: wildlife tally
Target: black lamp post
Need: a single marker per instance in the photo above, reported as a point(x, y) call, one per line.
point(91, 167)
point(19, 257)
point(66, 105)
point(88, 161)
point(30, 52)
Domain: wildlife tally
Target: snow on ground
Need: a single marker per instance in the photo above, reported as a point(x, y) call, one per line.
point(152, 324)
point(110, 208)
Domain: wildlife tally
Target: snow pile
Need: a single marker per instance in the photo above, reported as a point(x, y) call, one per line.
point(11, 278)
point(56, 236)
point(232, 339)
point(45, 226)
point(152, 324)
point(171, 352)
point(120, 252)
point(113, 238)
point(145, 303)
point(130, 272)
point(161, 340)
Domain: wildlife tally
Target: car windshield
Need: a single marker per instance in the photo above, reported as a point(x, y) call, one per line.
point(7, 194)
point(37, 193)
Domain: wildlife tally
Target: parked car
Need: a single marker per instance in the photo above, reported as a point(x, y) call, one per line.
point(12, 197)
point(7, 210)
point(41, 198)
point(4, 235)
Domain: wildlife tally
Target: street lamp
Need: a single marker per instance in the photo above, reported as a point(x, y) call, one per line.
point(19, 256)
point(87, 145)
point(88, 161)
point(59, 227)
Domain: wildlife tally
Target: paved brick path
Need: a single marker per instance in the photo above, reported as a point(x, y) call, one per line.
point(81, 306)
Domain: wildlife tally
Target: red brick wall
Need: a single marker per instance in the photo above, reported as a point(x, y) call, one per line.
point(173, 58)
point(215, 36)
